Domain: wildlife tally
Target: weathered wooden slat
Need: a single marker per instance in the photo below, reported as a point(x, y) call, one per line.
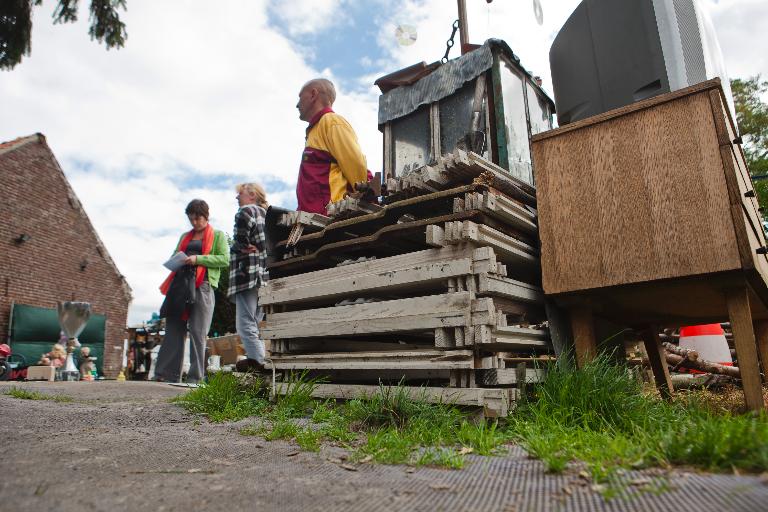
point(495, 402)
point(507, 376)
point(380, 275)
point(500, 207)
point(498, 286)
point(299, 217)
point(388, 241)
point(507, 248)
point(445, 338)
point(510, 338)
point(402, 315)
point(387, 215)
point(351, 206)
point(392, 360)
point(471, 166)
point(358, 344)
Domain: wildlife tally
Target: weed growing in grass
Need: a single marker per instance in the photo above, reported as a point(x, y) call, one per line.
point(600, 415)
point(718, 442)
point(224, 398)
point(324, 411)
point(387, 446)
point(443, 457)
point(390, 406)
point(281, 429)
point(337, 428)
point(403, 429)
point(253, 430)
point(484, 437)
point(25, 394)
point(309, 439)
point(297, 400)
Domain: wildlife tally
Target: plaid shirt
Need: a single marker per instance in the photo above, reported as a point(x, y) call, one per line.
point(248, 270)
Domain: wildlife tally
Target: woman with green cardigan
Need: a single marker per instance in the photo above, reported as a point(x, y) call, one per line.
point(189, 297)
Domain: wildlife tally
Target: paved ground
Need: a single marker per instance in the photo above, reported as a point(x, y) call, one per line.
point(122, 446)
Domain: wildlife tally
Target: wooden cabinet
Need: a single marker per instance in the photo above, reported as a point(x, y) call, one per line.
point(647, 215)
point(652, 193)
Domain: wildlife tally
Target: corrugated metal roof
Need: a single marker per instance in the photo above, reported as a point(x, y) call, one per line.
point(444, 81)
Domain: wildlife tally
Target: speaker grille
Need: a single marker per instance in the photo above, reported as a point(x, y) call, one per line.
point(690, 38)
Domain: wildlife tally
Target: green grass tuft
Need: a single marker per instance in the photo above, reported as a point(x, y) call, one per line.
point(601, 416)
point(401, 429)
point(224, 398)
point(309, 439)
point(25, 394)
point(441, 457)
point(297, 401)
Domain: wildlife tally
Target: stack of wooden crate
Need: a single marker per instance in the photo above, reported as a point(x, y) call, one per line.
point(438, 289)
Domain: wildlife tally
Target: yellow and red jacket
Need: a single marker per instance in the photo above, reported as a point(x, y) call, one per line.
point(331, 163)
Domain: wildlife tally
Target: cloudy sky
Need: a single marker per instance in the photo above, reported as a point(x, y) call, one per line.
point(202, 97)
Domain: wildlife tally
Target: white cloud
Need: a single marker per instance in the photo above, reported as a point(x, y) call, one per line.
point(309, 16)
point(740, 26)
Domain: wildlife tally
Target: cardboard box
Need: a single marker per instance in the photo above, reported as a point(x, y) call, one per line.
point(228, 347)
point(41, 373)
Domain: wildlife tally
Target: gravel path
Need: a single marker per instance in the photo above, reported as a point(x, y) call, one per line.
point(122, 446)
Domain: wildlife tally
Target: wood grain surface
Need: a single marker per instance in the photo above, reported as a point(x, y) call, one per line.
point(636, 197)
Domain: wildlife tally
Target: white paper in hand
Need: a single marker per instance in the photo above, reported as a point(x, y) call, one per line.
point(176, 261)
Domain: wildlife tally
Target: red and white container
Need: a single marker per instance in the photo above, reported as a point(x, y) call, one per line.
point(709, 341)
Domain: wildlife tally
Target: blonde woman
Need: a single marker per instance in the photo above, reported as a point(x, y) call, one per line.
point(248, 270)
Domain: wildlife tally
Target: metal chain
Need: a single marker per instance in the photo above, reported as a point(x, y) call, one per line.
point(449, 43)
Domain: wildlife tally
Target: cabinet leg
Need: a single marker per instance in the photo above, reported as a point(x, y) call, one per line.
point(658, 362)
point(761, 333)
point(746, 348)
point(583, 326)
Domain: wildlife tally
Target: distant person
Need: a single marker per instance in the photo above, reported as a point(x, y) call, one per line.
point(332, 162)
point(189, 296)
point(248, 271)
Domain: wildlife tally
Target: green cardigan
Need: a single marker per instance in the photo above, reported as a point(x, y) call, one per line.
point(216, 260)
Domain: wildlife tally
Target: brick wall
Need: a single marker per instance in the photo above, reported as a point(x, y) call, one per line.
point(36, 200)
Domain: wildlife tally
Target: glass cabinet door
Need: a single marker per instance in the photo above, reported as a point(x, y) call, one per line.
point(515, 123)
point(411, 141)
point(538, 111)
point(456, 122)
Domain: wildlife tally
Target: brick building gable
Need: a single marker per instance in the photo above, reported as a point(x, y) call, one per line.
point(63, 257)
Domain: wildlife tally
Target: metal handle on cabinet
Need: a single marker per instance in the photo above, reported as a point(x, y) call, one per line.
point(738, 140)
point(762, 250)
point(749, 193)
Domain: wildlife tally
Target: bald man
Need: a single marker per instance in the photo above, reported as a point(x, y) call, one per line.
point(332, 161)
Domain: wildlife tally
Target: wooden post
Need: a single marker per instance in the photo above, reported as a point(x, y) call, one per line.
point(761, 333)
point(583, 327)
point(658, 361)
point(463, 25)
point(746, 348)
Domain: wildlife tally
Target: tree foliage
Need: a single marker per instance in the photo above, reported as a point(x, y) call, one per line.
point(16, 25)
point(752, 116)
